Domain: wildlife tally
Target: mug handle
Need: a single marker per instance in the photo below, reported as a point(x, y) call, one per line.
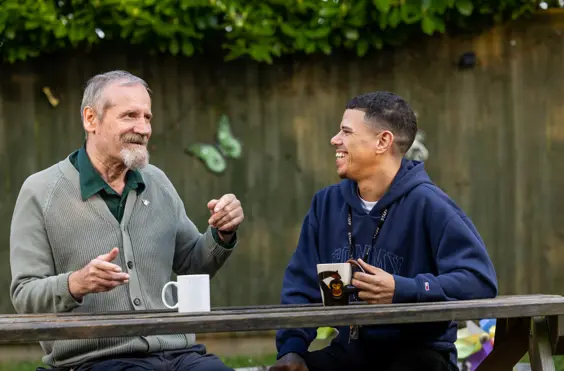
point(357, 264)
point(171, 283)
point(350, 288)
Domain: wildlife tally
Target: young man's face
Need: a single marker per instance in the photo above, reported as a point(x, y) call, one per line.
point(356, 146)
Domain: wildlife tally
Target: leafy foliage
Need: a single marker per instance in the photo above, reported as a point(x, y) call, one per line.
point(261, 29)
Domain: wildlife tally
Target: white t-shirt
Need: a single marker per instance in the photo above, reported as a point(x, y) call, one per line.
point(367, 205)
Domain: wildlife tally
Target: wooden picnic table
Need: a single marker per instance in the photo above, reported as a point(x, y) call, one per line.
point(524, 323)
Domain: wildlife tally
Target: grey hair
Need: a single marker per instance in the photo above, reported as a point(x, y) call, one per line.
point(95, 87)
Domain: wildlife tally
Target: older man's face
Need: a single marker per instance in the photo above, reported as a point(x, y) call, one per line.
point(125, 129)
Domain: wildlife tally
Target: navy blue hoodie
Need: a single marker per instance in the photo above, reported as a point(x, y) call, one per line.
point(427, 243)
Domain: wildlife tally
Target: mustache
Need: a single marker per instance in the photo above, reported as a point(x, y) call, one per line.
point(135, 138)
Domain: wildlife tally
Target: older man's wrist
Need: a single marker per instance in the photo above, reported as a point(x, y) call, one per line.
point(225, 240)
point(226, 236)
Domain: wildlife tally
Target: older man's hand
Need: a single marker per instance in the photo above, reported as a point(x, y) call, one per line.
point(97, 276)
point(226, 216)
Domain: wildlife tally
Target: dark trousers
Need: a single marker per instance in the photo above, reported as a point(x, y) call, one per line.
point(192, 359)
point(356, 356)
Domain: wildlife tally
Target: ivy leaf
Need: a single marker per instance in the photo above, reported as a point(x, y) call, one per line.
point(395, 17)
point(464, 7)
point(288, 30)
point(439, 24)
point(329, 12)
point(326, 48)
point(260, 53)
point(382, 5)
point(378, 42)
point(410, 13)
point(361, 47)
point(427, 25)
point(351, 34)
point(310, 47)
point(383, 21)
point(318, 33)
point(187, 48)
point(173, 48)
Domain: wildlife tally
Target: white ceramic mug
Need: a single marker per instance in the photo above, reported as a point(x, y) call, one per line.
point(335, 282)
point(193, 292)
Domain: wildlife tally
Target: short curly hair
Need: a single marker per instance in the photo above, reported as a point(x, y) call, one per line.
point(389, 111)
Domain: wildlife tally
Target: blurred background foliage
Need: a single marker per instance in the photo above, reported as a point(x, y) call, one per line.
point(259, 29)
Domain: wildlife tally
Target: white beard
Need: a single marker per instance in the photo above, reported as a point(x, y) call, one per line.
point(135, 157)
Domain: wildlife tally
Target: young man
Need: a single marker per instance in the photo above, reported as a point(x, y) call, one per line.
point(413, 241)
point(102, 230)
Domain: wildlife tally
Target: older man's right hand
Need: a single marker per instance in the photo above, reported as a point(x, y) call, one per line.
point(97, 276)
point(290, 362)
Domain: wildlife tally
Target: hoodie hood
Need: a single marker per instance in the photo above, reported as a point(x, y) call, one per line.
point(410, 175)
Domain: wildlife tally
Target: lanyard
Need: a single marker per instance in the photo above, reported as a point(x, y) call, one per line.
point(376, 232)
point(354, 330)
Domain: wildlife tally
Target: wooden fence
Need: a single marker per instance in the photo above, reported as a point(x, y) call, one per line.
point(495, 134)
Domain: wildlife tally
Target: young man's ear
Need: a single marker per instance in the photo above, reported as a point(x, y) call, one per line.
point(384, 142)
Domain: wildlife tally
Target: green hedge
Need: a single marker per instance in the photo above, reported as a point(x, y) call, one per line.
point(259, 29)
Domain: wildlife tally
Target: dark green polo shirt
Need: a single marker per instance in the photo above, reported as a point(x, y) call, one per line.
point(91, 183)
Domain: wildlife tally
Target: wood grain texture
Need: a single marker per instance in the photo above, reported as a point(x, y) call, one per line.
point(44, 317)
point(50, 327)
point(556, 331)
point(540, 350)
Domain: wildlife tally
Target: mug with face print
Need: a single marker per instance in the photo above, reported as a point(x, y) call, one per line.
point(335, 282)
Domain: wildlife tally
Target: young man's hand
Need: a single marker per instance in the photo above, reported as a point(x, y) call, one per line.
point(376, 286)
point(290, 362)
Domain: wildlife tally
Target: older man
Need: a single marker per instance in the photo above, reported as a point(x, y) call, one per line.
point(102, 231)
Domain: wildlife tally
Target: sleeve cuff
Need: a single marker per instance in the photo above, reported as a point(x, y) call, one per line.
point(405, 290)
point(220, 242)
point(293, 345)
point(67, 300)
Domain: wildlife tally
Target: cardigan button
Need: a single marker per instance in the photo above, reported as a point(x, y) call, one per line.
point(137, 301)
point(130, 264)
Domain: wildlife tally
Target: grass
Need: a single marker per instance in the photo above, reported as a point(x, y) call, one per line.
point(246, 361)
point(235, 362)
point(19, 366)
point(558, 362)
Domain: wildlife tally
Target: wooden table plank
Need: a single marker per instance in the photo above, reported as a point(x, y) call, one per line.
point(502, 301)
point(72, 327)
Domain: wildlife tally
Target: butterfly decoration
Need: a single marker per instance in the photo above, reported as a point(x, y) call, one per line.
point(214, 155)
point(418, 151)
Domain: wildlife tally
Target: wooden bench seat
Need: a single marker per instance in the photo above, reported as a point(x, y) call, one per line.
point(524, 323)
